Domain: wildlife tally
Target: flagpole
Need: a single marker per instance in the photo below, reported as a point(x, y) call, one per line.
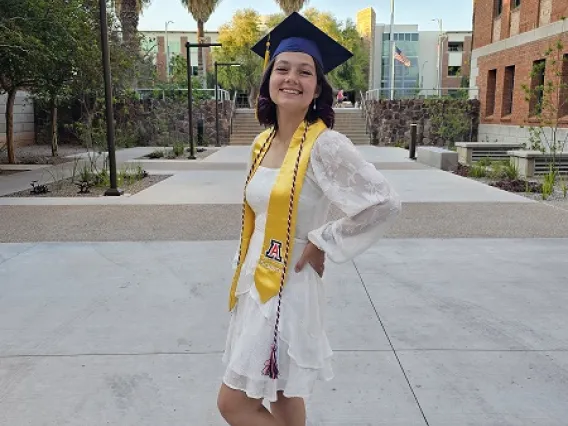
point(392, 47)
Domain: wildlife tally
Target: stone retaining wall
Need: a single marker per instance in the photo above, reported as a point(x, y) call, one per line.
point(390, 120)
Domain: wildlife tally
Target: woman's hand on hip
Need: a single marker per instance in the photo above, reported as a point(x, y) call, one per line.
point(314, 256)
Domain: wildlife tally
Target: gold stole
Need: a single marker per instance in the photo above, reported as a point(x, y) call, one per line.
point(272, 268)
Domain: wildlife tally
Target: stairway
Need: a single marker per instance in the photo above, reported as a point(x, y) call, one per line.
point(348, 121)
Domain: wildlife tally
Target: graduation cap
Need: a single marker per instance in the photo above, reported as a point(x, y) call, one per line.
point(297, 34)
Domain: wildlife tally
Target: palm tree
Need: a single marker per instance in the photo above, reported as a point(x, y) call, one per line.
point(289, 6)
point(201, 11)
point(129, 12)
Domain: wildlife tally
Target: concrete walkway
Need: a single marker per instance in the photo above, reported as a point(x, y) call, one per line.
point(113, 312)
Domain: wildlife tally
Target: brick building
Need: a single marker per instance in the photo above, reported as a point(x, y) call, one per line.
point(455, 60)
point(510, 37)
point(155, 42)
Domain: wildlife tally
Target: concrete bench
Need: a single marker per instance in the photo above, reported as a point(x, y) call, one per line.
point(471, 152)
point(439, 158)
point(536, 163)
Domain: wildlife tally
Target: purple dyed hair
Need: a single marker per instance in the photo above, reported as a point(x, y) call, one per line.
point(266, 109)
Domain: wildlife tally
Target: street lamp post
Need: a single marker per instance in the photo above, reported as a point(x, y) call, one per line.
point(113, 190)
point(188, 47)
point(422, 75)
point(220, 64)
point(168, 51)
point(439, 68)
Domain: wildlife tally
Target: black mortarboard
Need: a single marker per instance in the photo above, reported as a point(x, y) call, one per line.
point(297, 34)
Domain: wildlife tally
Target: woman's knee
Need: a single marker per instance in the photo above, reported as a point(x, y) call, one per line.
point(232, 404)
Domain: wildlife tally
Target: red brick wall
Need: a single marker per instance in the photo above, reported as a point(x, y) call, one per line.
point(484, 14)
point(559, 10)
point(466, 60)
point(161, 58)
point(530, 10)
point(522, 58)
point(183, 42)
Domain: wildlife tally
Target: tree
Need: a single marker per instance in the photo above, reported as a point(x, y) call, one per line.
point(129, 12)
point(547, 96)
point(353, 74)
point(21, 51)
point(67, 23)
point(289, 6)
point(325, 21)
point(237, 38)
point(273, 20)
point(201, 11)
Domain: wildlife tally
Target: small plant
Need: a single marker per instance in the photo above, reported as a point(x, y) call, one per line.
point(178, 149)
point(38, 188)
point(158, 153)
point(549, 183)
point(511, 171)
point(478, 171)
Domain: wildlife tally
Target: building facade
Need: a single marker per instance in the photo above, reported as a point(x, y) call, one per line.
point(439, 61)
point(154, 42)
point(510, 39)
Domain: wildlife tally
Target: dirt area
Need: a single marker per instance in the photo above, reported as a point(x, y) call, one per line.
point(41, 154)
point(66, 188)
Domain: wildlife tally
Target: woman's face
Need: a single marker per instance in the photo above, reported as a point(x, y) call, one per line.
point(293, 82)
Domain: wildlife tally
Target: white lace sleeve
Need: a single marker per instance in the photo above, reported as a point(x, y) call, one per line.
point(357, 188)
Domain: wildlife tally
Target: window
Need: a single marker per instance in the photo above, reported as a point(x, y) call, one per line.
point(537, 86)
point(498, 7)
point(515, 3)
point(455, 46)
point(454, 71)
point(508, 91)
point(490, 92)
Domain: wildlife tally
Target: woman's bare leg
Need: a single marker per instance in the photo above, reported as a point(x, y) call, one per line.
point(240, 410)
point(289, 411)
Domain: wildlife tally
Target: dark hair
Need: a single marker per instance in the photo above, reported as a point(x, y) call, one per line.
point(266, 108)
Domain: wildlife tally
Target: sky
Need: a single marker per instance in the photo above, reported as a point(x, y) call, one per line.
point(455, 14)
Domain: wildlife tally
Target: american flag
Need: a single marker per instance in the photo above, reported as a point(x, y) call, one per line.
point(399, 56)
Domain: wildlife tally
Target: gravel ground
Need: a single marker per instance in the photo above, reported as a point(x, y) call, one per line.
point(67, 188)
point(221, 222)
point(41, 154)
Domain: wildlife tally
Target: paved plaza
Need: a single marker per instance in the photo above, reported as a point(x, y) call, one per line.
point(113, 310)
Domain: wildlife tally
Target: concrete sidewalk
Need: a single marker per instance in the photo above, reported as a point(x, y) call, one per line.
point(218, 179)
point(113, 311)
point(437, 332)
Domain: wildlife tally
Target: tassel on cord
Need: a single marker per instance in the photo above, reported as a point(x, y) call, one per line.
point(271, 366)
point(267, 53)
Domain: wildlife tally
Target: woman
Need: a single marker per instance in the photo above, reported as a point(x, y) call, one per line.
point(277, 346)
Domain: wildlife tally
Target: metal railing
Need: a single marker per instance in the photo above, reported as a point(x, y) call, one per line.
point(233, 108)
point(417, 93)
point(224, 95)
point(365, 113)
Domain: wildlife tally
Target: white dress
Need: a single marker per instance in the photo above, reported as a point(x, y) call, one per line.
point(338, 174)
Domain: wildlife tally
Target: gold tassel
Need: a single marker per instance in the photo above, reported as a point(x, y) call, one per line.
point(266, 53)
